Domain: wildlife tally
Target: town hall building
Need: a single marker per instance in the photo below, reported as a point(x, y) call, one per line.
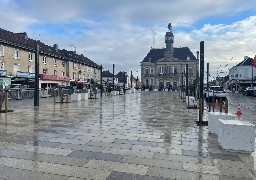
point(165, 68)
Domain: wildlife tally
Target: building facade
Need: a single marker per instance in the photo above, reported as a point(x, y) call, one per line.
point(56, 67)
point(242, 75)
point(166, 68)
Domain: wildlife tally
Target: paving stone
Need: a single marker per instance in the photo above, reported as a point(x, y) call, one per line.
point(180, 158)
point(174, 174)
point(132, 142)
point(97, 155)
point(18, 174)
point(211, 155)
point(128, 176)
point(116, 166)
point(153, 162)
point(127, 152)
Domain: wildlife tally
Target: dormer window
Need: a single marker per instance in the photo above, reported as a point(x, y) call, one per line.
point(45, 60)
point(16, 54)
point(1, 50)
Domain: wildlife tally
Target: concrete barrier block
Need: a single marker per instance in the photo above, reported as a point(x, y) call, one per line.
point(113, 93)
point(214, 124)
point(146, 89)
point(237, 135)
point(133, 90)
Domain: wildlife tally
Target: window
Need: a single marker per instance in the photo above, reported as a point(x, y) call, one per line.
point(54, 62)
point(74, 65)
point(31, 69)
point(147, 70)
point(63, 73)
point(63, 64)
point(190, 69)
point(16, 54)
point(1, 50)
point(31, 56)
point(161, 69)
point(45, 71)
point(16, 67)
point(184, 69)
point(2, 65)
point(55, 72)
point(79, 66)
point(45, 60)
point(74, 75)
point(151, 81)
point(151, 70)
point(175, 69)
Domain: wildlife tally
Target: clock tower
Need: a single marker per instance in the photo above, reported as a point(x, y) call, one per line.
point(169, 40)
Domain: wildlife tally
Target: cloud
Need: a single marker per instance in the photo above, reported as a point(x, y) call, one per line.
point(120, 32)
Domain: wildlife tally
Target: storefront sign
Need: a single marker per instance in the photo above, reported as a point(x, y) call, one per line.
point(20, 74)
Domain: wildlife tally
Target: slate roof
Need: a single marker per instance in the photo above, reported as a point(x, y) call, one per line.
point(20, 40)
point(107, 74)
point(246, 62)
point(180, 53)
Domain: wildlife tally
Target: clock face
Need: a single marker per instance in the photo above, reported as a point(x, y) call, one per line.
point(169, 38)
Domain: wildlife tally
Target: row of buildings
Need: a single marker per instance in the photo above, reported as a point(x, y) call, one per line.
point(56, 66)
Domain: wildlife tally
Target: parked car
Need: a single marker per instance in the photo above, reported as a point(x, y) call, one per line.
point(249, 91)
point(216, 92)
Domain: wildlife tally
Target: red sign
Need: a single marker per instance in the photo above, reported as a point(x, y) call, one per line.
point(53, 77)
point(254, 61)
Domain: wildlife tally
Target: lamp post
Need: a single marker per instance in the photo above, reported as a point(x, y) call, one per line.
point(113, 82)
point(36, 94)
point(101, 86)
point(124, 81)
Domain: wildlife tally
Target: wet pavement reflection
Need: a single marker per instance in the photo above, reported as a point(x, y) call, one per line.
point(146, 135)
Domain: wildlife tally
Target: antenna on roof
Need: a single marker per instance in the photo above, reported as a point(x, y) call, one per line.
point(153, 35)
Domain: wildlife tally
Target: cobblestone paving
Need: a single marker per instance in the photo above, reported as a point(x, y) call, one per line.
point(143, 136)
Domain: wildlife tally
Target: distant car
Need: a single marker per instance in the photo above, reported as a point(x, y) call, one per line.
point(216, 92)
point(249, 91)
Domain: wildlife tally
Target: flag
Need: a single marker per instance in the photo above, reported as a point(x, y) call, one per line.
point(254, 61)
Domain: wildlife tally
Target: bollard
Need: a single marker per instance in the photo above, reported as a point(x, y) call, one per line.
point(226, 105)
point(6, 101)
point(54, 96)
point(220, 105)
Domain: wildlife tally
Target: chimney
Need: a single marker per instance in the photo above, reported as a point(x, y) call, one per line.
point(55, 46)
point(188, 58)
point(197, 53)
point(23, 35)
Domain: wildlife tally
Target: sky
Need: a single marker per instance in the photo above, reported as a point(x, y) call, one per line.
point(121, 32)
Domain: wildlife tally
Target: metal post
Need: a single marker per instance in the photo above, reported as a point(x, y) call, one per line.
point(187, 80)
point(201, 103)
point(124, 83)
point(101, 86)
point(207, 78)
point(226, 105)
point(137, 81)
point(36, 94)
point(113, 77)
point(6, 101)
point(131, 79)
point(221, 102)
point(182, 85)
point(252, 73)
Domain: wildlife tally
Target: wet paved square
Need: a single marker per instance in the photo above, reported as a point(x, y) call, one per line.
point(144, 136)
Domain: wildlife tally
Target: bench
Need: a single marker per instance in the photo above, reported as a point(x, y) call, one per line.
point(236, 135)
